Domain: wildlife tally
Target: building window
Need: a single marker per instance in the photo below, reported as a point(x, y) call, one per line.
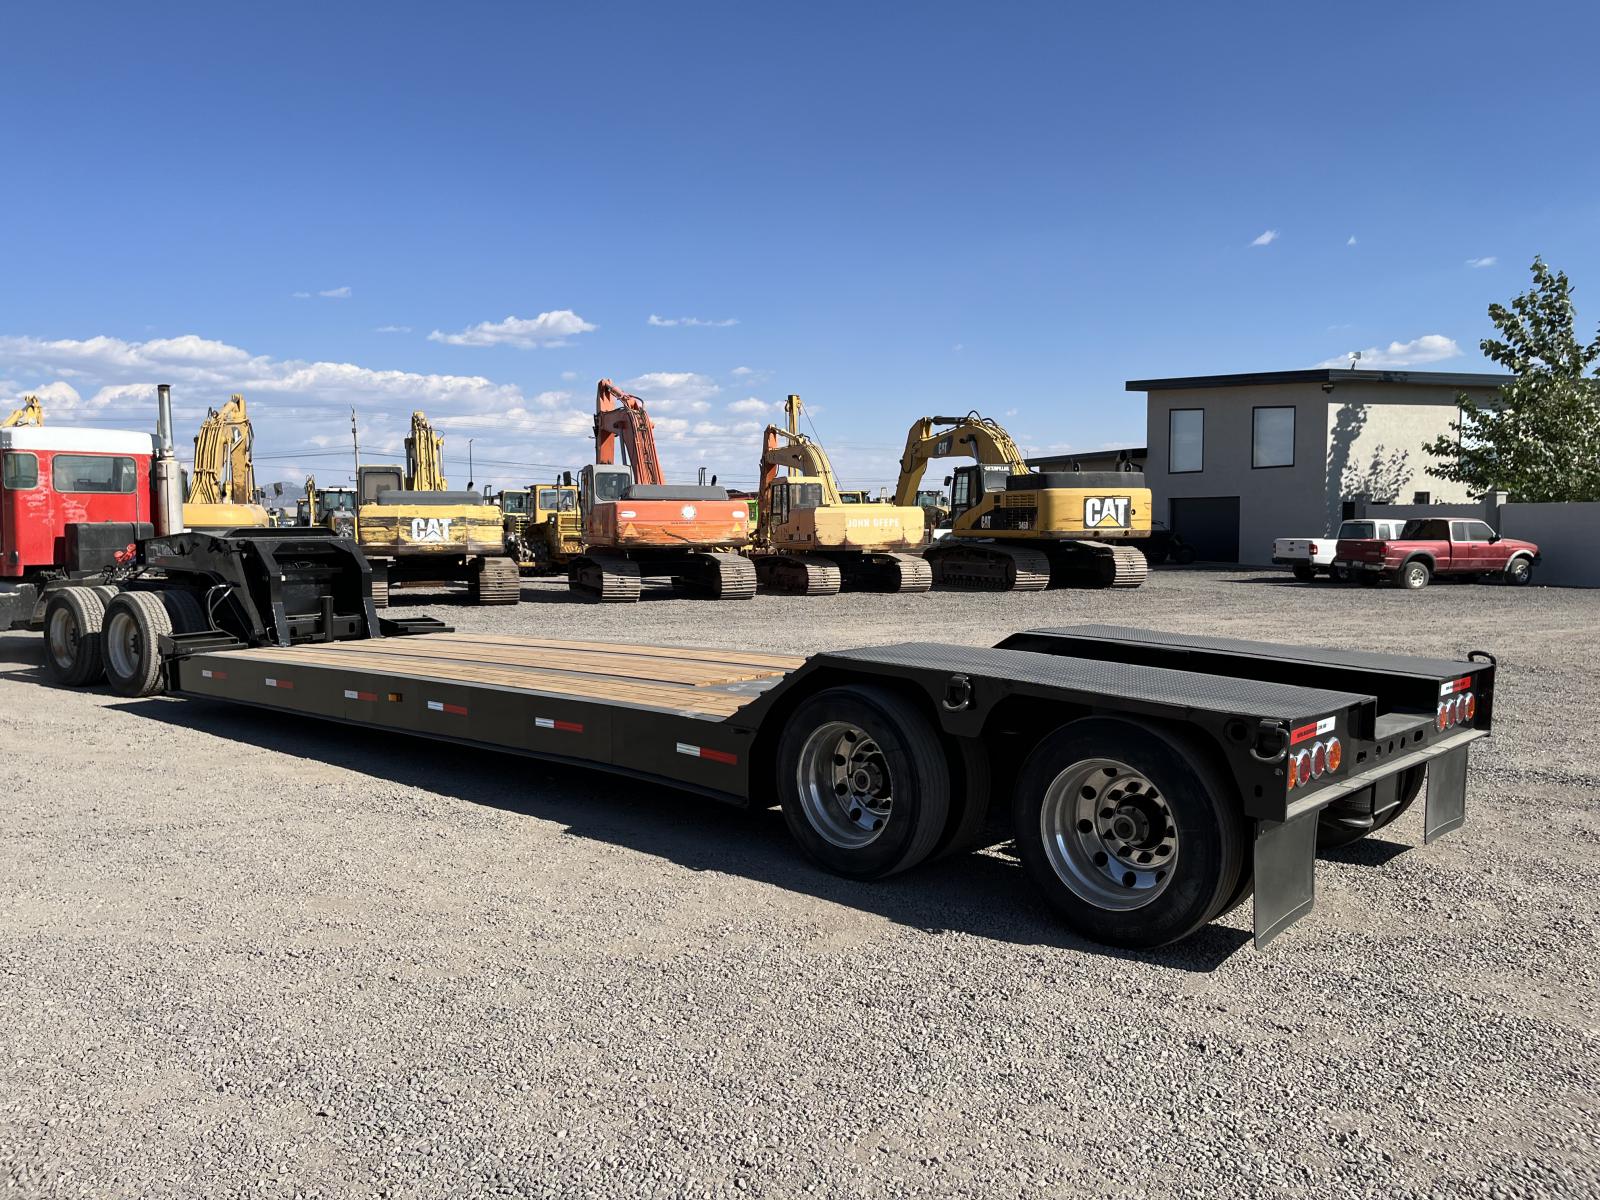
point(92, 473)
point(21, 471)
point(1186, 441)
point(1272, 437)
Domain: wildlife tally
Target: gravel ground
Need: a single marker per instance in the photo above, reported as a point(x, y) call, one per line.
point(243, 955)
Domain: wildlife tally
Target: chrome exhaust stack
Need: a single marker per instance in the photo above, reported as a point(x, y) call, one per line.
point(165, 473)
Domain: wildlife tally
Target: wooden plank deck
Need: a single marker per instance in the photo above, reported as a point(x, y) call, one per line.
point(684, 680)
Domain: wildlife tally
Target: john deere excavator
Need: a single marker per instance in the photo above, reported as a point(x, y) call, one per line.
point(636, 524)
point(31, 413)
point(222, 482)
point(1016, 529)
point(811, 541)
point(413, 529)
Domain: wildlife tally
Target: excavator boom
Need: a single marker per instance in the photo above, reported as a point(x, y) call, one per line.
point(222, 484)
point(619, 417)
point(31, 413)
point(424, 457)
point(972, 436)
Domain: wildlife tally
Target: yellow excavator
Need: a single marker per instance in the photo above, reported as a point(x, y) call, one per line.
point(222, 483)
point(31, 413)
point(811, 541)
point(1016, 529)
point(413, 529)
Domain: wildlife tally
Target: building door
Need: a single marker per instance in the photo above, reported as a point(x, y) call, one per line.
point(1210, 524)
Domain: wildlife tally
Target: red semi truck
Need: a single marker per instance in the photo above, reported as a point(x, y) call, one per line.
point(1437, 546)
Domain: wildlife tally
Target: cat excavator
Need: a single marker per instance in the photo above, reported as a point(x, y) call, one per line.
point(811, 540)
point(1016, 529)
point(31, 413)
point(636, 524)
point(222, 483)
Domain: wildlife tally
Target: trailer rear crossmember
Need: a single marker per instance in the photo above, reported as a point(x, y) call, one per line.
point(1154, 780)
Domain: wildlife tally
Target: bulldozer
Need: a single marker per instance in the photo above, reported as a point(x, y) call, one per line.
point(30, 414)
point(542, 527)
point(413, 529)
point(222, 484)
point(811, 540)
point(636, 524)
point(1016, 529)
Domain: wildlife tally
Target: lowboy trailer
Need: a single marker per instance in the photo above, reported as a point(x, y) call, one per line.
point(1152, 781)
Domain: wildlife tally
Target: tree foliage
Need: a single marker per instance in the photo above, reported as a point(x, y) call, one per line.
point(1539, 439)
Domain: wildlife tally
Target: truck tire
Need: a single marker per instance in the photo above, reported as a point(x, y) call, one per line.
point(135, 624)
point(1332, 833)
point(864, 781)
point(1305, 572)
point(1413, 575)
point(185, 610)
point(1519, 571)
point(1131, 833)
point(73, 618)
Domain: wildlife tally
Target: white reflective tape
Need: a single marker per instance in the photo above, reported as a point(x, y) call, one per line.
point(1325, 726)
point(349, 695)
point(436, 705)
point(691, 751)
point(545, 722)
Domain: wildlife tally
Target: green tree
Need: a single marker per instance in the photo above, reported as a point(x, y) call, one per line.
point(1539, 439)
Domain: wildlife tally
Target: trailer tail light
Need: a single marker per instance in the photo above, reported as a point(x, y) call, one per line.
point(1302, 768)
point(1443, 719)
point(1319, 760)
point(1335, 755)
point(1471, 704)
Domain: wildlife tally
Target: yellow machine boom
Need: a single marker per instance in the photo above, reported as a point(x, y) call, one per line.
point(222, 483)
point(31, 413)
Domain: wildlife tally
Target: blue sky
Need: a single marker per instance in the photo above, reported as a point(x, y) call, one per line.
point(477, 209)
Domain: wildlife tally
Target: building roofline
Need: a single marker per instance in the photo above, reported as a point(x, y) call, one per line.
point(1321, 375)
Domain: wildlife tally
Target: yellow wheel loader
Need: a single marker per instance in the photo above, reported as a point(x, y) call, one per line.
point(413, 530)
point(811, 540)
point(1016, 529)
point(222, 484)
point(543, 527)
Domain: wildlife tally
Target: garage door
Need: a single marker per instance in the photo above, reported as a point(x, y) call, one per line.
point(1210, 524)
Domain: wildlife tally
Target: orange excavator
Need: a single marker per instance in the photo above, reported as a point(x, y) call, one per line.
point(637, 525)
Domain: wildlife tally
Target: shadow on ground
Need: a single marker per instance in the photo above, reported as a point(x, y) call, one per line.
point(984, 895)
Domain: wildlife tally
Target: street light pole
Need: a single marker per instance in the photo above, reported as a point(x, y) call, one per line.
point(470, 473)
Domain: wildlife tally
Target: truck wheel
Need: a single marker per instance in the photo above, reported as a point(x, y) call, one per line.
point(135, 624)
point(1305, 572)
point(1413, 575)
point(864, 782)
point(1134, 838)
point(185, 610)
point(1519, 571)
point(1340, 574)
point(1333, 833)
point(72, 636)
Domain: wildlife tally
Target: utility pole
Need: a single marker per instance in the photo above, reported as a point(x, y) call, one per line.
point(355, 445)
point(471, 475)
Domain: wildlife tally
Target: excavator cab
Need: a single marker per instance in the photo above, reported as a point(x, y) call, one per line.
point(602, 483)
point(373, 482)
point(970, 484)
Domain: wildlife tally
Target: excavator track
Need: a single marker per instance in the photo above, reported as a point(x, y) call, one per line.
point(889, 572)
point(798, 574)
point(607, 578)
point(721, 575)
point(988, 566)
point(496, 581)
point(1079, 564)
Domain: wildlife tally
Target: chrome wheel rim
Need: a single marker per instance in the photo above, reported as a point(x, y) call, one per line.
point(124, 647)
point(846, 790)
point(61, 635)
point(1109, 834)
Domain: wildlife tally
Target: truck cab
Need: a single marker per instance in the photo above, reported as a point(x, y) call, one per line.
point(1425, 547)
point(53, 478)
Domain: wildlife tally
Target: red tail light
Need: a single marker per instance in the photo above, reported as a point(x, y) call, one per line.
point(1443, 719)
point(1302, 768)
point(1335, 754)
point(1319, 760)
point(1472, 706)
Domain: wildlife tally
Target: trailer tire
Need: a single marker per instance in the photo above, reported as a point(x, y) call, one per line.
point(969, 803)
point(185, 610)
point(1166, 860)
point(1305, 572)
point(864, 781)
point(1413, 575)
point(73, 641)
point(135, 624)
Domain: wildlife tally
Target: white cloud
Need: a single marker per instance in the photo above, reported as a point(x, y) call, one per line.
point(300, 295)
point(674, 391)
point(741, 372)
point(1352, 240)
point(392, 329)
point(1266, 238)
point(751, 405)
point(569, 376)
point(1419, 352)
point(701, 321)
point(338, 293)
point(525, 333)
point(1487, 260)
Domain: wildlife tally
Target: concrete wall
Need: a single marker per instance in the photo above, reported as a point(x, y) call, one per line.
point(1568, 537)
point(1337, 435)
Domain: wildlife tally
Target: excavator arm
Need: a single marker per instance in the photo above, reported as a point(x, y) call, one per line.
point(619, 417)
point(424, 457)
point(979, 438)
point(224, 472)
point(801, 456)
point(31, 413)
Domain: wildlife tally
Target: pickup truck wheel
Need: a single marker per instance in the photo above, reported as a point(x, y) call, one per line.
point(72, 639)
point(1305, 572)
point(1413, 575)
point(135, 624)
point(1340, 574)
point(864, 781)
point(1519, 571)
point(1133, 837)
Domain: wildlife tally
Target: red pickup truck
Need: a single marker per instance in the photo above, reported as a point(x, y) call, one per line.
point(1437, 546)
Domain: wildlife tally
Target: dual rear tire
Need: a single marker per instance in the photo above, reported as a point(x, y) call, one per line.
point(94, 633)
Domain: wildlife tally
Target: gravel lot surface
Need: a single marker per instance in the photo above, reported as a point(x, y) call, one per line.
point(243, 955)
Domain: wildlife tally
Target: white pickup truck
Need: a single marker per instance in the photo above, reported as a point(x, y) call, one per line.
point(1309, 557)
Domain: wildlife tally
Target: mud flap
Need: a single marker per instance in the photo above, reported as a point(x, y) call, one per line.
point(1285, 866)
point(1447, 795)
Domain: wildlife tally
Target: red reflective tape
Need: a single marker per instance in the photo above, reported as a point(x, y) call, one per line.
point(1301, 734)
point(350, 695)
point(206, 673)
point(569, 727)
point(721, 756)
point(1459, 685)
point(440, 706)
point(285, 684)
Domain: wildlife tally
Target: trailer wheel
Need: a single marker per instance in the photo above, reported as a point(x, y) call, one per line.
point(1305, 572)
point(864, 781)
point(1134, 838)
point(1332, 832)
point(1413, 575)
point(185, 611)
point(73, 618)
point(135, 624)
